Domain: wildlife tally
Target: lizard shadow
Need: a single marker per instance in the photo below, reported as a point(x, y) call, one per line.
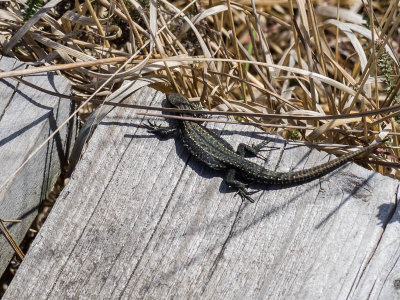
point(204, 171)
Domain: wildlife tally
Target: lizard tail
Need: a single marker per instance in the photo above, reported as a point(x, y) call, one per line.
point(312, 173)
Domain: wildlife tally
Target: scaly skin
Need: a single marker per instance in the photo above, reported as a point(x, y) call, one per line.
point(218, 154)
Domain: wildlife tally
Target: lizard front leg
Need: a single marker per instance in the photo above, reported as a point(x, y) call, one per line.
point(233, 182)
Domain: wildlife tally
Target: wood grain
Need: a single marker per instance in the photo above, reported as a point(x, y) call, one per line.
point(27, 118)
point(141, 219)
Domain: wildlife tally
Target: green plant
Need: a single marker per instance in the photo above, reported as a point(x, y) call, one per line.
point(386, 67)
point(294, 134)
point(32, 6)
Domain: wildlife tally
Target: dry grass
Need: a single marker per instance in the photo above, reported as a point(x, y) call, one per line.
point(281, 59)
point(310, 71)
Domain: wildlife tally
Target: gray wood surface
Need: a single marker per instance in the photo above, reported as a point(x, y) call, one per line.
point(27, 118)
point(141, 219)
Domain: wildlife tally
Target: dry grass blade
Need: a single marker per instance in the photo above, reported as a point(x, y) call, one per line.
point(10, 239)
point(342, 13)
point(6, 74)
point(27, 26)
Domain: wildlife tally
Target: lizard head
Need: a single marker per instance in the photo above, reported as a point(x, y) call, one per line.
point(181, 102)
point(177, 100)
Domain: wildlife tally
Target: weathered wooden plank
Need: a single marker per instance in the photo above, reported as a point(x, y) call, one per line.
point(381, 278)
point(141, 219)
point(27, 118)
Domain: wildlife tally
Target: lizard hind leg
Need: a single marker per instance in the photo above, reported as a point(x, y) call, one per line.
point(242, 191)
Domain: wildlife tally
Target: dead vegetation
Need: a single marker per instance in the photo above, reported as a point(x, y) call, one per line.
point(314, 62)
point(322, 72)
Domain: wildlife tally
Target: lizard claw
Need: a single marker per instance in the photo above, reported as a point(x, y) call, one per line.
point(151, 127)
point(245, 195)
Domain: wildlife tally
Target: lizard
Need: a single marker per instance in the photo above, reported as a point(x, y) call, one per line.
point(208, 147)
